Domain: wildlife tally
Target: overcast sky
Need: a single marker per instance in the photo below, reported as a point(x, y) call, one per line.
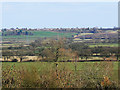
point(59, 14)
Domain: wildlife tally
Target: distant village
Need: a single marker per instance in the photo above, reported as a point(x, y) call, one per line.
point(60, 29)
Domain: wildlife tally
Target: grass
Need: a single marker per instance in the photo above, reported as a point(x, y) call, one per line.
point(104, 45)
point(44, 74)
point(30, 38)
point(81, 34)
point(24, 39)
point(41, 65)
point(38, 34)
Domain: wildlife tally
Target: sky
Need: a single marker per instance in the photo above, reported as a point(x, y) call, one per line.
point(59, 14)
point(59, 0)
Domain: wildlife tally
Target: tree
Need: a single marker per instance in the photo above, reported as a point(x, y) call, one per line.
point(55, 45)
point(20, 54)
point(96, 50)
point(40, 53)
point(105, 52)
point(81, 49)
point(50, 56)
point(87, 53)
point(6, 54)
point(117, 53)
point(65, 54)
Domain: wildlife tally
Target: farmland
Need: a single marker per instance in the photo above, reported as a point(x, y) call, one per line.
point(53, 44)
point(17, 39)
point(60, 59)
point(104, 45)
point(41, 42)
point(38, 34)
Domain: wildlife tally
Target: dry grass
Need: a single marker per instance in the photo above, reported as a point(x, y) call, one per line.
point(97, 75)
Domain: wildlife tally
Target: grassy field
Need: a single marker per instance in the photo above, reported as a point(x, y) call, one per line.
point(44, 65)
point(67, 74)
point(25, 39)
point(104, 45)
point(38, 34)
point(42, 34)
point(81, 34)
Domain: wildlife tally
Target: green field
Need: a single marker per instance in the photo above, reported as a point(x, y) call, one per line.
point(28, 74)
point(25, 39)
point(44, 65)
point(104, 45)
point(38, 34)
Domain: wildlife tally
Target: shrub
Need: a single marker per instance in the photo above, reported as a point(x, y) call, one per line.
point(14, 60)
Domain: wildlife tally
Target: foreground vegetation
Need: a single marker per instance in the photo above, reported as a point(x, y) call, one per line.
point(60, 75)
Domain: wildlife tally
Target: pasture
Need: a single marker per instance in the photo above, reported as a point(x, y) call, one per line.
point(104, 45)
point(25, 39)
point(38, 34)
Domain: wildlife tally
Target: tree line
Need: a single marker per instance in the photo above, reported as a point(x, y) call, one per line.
point(16, 32)
point(59, 50)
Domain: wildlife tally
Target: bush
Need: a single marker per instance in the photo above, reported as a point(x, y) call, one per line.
point(14, 60)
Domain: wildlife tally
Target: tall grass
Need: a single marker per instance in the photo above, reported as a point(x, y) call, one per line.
point(96, 75)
